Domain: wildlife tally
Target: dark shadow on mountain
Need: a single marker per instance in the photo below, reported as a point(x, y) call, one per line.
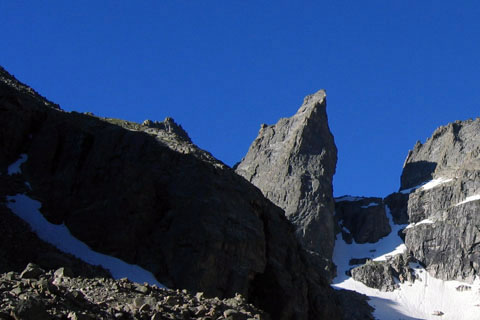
point(415, 173)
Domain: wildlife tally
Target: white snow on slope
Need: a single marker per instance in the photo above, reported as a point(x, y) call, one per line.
point(427, 185)
point(435, 183)
point(60, 237)
point(411, 301)
point(468, 199)
point(409, 190)
point(425, 221)
point(14, 168)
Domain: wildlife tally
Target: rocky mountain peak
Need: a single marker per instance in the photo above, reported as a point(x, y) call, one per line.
point(313, 100)
point(293, 163)
point(443, 207)
point(450, 148)
point(144, 195)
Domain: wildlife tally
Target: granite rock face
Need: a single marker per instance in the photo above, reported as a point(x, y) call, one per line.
point(363, 219)
point(443, 213)
point(384, 275)
point(451, 147)
point(147, 195)
point(293, 163)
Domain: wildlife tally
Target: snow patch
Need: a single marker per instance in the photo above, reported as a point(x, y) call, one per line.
point(371, 204)
point(427, 185)
point(59, 235)
point(345, 229)
point(425, 221)
point(410, 190)
point(469, 199)
point(435, 183)
point(14, 168)
point(400, 249)
point(412, 301)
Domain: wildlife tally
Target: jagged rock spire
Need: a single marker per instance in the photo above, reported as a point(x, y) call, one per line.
point(293, 163)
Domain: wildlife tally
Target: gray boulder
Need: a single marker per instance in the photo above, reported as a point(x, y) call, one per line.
point(385, 275)
point(293, 163)
point(373, 274)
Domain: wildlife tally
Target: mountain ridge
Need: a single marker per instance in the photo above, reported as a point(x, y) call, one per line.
point(144, 193)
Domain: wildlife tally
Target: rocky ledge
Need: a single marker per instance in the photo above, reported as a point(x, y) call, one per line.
point(38, 295)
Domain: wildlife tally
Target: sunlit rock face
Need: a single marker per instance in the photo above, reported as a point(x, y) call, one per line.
point(443, 209)
point(293, 163)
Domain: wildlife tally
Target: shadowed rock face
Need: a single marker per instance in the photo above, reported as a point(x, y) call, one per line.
point(365, 219)
point(397, 203)
point(293, 163)
point(147, 195)
point(444, 232)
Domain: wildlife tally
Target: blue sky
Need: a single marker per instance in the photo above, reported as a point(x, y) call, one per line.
point(393, 70)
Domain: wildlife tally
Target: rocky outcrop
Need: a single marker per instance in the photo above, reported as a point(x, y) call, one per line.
point(447, 241)
point(363, 219)
point(293, 163)
point(451, 147)
point(444, 232)
point(36, 294)
point(397, 203)
point(384, 275)
point(147, 195)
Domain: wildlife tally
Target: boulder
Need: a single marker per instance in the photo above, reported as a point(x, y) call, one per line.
point(384, 275)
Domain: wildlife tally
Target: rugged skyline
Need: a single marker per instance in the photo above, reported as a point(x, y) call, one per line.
point(393, 71)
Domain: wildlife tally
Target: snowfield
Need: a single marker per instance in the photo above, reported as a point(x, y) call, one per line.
point(59, 236)
point(425, 221)
point(427, 298)
point(14, 168)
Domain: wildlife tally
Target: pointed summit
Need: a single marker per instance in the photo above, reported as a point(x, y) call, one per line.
point(293, 163)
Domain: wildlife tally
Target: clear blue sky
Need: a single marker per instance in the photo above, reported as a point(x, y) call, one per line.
point(393, 70)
